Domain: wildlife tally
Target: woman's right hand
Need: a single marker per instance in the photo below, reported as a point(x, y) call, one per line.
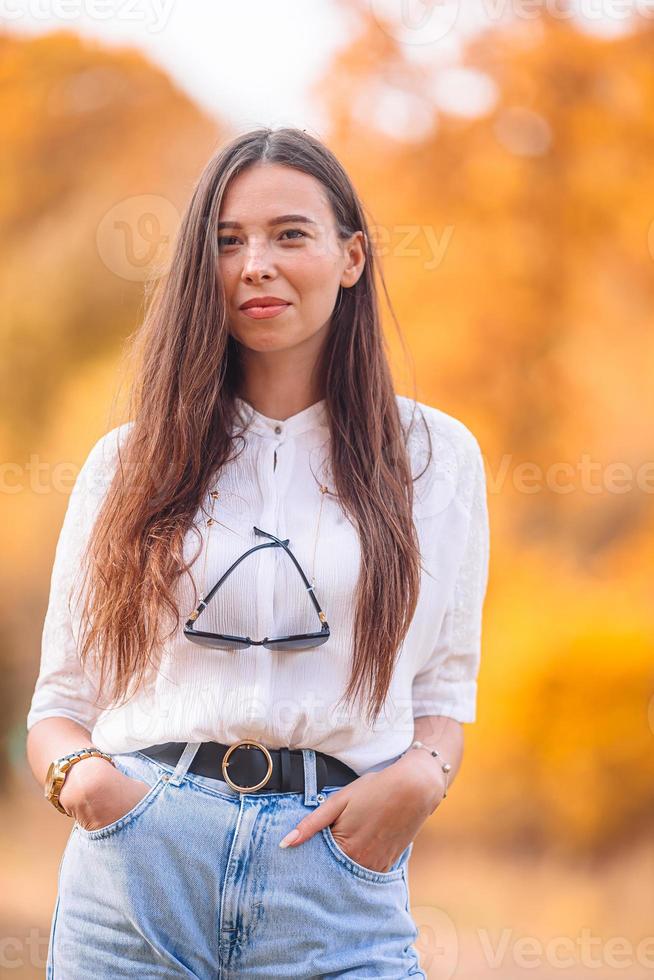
point(96, 793)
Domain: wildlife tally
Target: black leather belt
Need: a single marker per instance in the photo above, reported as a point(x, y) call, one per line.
point(248, 766)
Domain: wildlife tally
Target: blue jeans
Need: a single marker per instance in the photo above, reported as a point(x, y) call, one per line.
point(191, 883)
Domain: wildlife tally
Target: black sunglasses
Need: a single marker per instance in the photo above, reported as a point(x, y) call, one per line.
point(222, 641)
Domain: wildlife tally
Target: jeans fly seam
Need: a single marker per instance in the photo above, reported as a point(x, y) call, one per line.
point(229, 942)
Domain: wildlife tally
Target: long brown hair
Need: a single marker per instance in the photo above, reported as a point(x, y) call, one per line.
point(187, 371)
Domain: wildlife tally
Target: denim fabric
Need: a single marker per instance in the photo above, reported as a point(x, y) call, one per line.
point(191, 883)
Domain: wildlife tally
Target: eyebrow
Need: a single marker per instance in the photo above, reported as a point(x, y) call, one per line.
point(282, 219)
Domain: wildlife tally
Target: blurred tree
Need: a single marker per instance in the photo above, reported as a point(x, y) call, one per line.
point(83, 129)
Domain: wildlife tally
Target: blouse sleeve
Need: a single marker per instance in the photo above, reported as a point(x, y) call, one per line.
point(447, 683)
point(64, 688)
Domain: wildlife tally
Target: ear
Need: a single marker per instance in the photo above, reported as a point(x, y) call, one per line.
point(355, 255)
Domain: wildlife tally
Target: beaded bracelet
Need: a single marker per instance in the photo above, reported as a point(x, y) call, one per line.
point(445, 766)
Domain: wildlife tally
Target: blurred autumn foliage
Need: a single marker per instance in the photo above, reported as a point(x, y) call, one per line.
point(518, 253)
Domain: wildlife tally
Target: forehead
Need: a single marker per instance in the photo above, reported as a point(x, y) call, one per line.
point(266, 190)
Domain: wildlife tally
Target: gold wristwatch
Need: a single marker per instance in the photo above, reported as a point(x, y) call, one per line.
point(59, 768)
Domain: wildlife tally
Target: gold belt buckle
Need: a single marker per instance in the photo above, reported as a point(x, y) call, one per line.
point(225, 764)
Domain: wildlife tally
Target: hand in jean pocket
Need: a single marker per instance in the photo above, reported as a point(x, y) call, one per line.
point(373, 819)
point(97, 795)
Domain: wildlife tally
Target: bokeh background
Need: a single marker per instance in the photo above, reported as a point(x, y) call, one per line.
point(505, 155)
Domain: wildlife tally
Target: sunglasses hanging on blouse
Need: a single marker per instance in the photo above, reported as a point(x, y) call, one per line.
point(224, 641)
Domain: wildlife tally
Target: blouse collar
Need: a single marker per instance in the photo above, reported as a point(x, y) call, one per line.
point(313, 417)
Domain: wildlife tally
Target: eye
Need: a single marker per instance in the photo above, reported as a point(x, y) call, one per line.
point(227, 240)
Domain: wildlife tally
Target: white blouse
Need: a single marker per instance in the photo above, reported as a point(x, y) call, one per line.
point(287, 698)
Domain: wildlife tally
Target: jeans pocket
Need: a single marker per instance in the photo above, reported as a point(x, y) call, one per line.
point(395, 872)
point(137, 767)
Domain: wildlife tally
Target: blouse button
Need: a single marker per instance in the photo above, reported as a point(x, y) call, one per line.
point(278, 429)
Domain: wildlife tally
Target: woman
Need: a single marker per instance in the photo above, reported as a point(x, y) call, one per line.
point(277, 627)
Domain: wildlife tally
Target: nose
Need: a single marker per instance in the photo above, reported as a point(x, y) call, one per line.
point(257, 265)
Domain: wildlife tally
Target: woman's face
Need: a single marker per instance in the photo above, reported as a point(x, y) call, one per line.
point(300, 261)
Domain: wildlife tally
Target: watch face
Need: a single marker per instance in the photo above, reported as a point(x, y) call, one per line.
point(49, 779)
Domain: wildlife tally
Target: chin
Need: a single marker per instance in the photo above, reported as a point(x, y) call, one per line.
point(270, 341)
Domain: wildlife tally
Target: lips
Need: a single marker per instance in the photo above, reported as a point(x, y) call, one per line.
point(263, 301)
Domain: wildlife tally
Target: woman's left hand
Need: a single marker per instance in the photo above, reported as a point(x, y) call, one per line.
point(377, 815)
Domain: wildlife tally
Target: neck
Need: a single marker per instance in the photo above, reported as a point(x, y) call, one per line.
point(280, 398)
point(282, 383)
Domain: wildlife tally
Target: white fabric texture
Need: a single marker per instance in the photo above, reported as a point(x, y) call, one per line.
point(287, 698)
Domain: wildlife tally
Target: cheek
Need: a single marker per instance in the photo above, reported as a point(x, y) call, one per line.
point(313, 267)
point(314, 279)
point(228, 273)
